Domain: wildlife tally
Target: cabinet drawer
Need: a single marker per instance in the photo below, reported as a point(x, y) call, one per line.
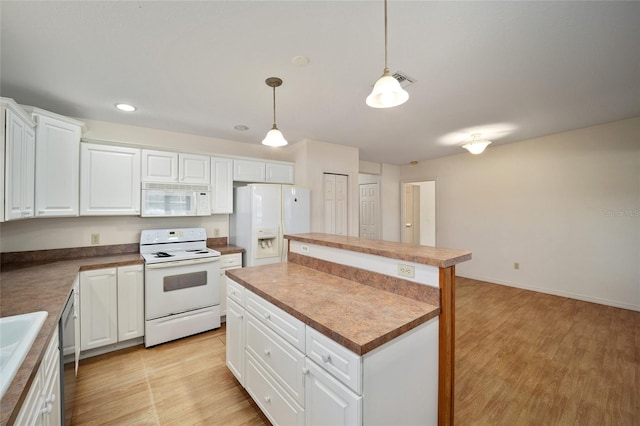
point(279, 358)
point(270, 397)
point(235, 292)
point(340, 362)
point(286, 326)
point(231, 261)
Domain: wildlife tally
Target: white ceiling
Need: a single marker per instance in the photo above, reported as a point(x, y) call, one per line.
point(509, 70)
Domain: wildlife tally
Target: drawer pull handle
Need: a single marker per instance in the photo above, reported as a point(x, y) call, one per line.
point(267, 352)
point(267, 398)
point(240, 316)
point(47, 409)
point(325, 358)
point(305, 371)
point(50, 399)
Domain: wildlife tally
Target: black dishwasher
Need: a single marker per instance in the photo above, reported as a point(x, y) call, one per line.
point(68, 344)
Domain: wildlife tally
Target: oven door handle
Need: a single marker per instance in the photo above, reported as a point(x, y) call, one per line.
point(178, 263)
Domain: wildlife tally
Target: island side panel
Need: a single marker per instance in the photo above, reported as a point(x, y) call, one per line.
point(447, 335)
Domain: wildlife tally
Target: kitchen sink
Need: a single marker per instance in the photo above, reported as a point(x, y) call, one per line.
point(17, 334)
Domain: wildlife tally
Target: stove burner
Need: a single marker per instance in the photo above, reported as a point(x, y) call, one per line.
point(198, 251)
point(163, 254)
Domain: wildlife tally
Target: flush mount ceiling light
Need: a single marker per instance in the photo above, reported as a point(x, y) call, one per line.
point(476, 145)
point(274, 136)
point(386, 92)
point(125, 107)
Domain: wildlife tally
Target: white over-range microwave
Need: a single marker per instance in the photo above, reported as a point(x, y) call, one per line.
point(175, 199)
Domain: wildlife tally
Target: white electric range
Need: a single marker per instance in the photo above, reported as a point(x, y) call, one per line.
point(182, 284)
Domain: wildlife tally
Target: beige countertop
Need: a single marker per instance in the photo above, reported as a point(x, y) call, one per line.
point(357, 316)
point(440, 257)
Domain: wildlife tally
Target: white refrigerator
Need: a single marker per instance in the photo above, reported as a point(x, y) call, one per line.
point(262, 214)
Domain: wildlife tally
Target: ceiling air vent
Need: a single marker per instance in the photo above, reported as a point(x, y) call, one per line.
point(403, 79)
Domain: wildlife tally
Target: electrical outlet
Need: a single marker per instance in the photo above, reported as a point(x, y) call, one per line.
point(95, 238)
point(216, 232)
point(304, 249)
point(516, 265)
point(406, 270)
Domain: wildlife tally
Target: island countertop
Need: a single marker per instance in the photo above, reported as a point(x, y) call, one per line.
point(434, 256)
point(359, 317)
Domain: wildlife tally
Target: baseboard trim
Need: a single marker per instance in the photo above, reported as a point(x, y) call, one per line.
point(554, 292)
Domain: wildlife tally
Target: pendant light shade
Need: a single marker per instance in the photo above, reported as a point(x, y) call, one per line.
point(476, 145)
point(274, 136)
point(386, 92)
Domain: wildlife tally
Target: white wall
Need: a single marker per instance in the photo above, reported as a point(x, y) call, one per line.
point(313, 158)
point(565, 206)
point(40, 234)
point(390, 201)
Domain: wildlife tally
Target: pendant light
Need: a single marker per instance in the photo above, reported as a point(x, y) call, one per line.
point(274, 136)
point(386, 92)
point(476, 145)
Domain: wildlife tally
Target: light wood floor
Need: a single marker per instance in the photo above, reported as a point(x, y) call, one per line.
point(522, 358)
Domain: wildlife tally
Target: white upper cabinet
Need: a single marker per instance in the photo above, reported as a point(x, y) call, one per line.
point(279, 173)
point(194, 169)
point(110, 180)
point(263, 171)
point(159, 166)
point(57, 164)
point(19, 150)
point(222, 185)
point(248, 171)
point(166, 166)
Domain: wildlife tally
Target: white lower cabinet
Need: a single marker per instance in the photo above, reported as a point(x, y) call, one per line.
point(235, 341)
point(42, 406)
point(297, 375)
point(328, 401)
point(111, 306)
point(227, 262)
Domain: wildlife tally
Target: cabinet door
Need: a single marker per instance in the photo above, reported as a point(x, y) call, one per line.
point(57, 168)
point(222, 185)
point(130, 302)
point(159, 166)
point(327, 401)
point(19, 168)
point(279, 173)
point(31, 410)
point(236, 340)
point(110, 183)
point(98, 308)
point(194, 169)
point(248, 171)
point(52, 410)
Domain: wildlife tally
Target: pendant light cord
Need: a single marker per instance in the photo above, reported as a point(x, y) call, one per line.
point(386, 65)
point(274, 107)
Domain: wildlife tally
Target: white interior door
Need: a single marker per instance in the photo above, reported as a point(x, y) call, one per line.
point(370, 211)
point(335, 203)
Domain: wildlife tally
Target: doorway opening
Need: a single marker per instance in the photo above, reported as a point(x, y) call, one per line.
point(418, 212)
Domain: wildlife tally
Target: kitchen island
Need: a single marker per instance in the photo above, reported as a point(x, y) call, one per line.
point(386, 308)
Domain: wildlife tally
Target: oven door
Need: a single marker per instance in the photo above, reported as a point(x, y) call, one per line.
point(181, 286)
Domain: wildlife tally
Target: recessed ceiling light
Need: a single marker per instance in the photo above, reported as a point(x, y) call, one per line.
point(125, 107)
point(241, 127)
point(300, 61)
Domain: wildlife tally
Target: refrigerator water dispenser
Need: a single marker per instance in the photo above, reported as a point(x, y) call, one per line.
point(267, 243)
